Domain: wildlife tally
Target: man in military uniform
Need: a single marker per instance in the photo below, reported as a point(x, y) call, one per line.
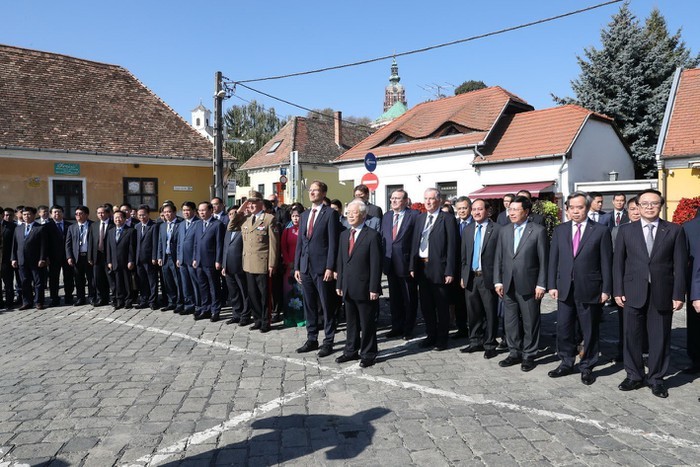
point(260, 255)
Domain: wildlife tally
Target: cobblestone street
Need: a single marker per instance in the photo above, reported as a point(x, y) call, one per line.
point(94, 387)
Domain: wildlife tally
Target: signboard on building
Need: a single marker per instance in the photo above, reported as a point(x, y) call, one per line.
point(66, 168)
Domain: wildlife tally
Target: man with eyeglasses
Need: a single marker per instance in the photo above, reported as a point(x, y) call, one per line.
point(649, 270)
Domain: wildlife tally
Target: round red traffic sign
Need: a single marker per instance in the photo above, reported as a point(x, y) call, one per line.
point(371, 181)
point(283, 179)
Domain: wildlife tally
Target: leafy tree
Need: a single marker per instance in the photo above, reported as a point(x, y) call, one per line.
point(249, 122)
point(329, 113)
point(469, 86)
point(629, 79)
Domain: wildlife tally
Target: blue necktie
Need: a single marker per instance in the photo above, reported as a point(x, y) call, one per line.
point(82, 234)
point(477, 249)
point(462, 225)
point(118, 234)
point(27, 229)
point(518, 234)
point(168, 237)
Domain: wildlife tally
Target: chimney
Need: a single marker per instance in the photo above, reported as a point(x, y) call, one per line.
point(338, 124)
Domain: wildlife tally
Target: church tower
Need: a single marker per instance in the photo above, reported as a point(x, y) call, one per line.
point(200, 121)
point(394, 92)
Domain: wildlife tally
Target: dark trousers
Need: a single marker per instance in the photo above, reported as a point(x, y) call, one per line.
point(588, 317)
point(693, 334)
point(403, 303)
point(32, 279)
point(122, 287)
point(482, 313)
point(83, 277)
point(102, 277)
point(190, 287)
point(658, 326)
point(7, 274)
point(55, 268)
point(209, 280)
point(237, 285)
point(318, 295)
point(258, 296)
point(276, 292)
point(171, 283)
point(522, 323)
point(361, 318)
point(147, 278)
point(435, 306)
point(460, 304)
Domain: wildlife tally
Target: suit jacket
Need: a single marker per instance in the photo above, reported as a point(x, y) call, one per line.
point(526, 268)
point(633, 267)
point(489, 240)
point(503, 218)
point(95, 238)
point(31, 249)
point(185, 241)
point(146, 242)
point(316, 254)
point(374, 223)
point(397, 252)
point(209, 243)
point(223, 218)
point(442, 247)
point(282, 217)
point(536, 218)
point(360, 273)
point(121, 253)
point(624, 218)
point(261, 243)
point(589, 273)
point(73, 240)
point(163, 240)
point(692, 235)
point(8, 235)
point(233, 252)
point(374, 211)
point(57, 241)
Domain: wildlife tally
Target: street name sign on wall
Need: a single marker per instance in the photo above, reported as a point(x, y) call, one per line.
point(66, 168)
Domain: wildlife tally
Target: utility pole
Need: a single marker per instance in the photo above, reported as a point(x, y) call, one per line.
point(219, 95)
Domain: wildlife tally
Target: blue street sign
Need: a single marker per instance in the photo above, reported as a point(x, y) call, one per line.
point(370, 162)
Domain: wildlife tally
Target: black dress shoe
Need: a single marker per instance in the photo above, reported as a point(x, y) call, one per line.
point(265, 328)
point(103, 303)
point(128, 305)
point(440, 347)
point(426, 343)
point(325, 350)
point(629, 385)
point(167, 308)
point(392, 334)
point(79, 302)
point(659, 390)
point(200, 316)
point(141, 306)
point(510, 361)
point(347, 358)
point(233, 321)
point(528, 364)
point(56, 302)
point(244, 322)
point(26, 306)
point(365, 363)
point(256, 326)
point(691, 370)
point(40, 306)
point(407, 338)
point(68, 300)
point(309, 346)
point(214, 318)
point(462, 333)
point(471, 348)
point(118, 306)
point(502, 345)
point(490, 353)
point(587, 377)
point(560, 371)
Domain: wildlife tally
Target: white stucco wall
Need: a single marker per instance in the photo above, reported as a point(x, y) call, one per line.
point(416, 173)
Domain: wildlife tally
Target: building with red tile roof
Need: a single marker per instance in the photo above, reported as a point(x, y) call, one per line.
point(489, 142)
point(75, 131)
point(678, 148)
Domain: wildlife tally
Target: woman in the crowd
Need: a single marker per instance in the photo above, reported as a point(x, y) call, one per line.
point(293, 305)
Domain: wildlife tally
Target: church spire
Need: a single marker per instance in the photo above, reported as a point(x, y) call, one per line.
point(394, 92)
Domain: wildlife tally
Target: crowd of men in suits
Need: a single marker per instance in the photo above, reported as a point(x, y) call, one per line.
point(481, 272)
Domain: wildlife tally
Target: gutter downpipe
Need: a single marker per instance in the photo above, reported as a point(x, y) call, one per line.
point(561, 184)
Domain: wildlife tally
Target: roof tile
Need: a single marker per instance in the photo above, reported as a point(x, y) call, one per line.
point(683, 134)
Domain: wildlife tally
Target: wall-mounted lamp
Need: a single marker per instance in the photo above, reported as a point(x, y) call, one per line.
point(136, 166)
point(612, 176)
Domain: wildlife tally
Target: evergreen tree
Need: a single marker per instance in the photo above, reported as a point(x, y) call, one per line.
point(249, 122)
point(629, 79)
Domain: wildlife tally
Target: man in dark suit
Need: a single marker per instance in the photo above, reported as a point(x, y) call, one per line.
point(503, 218)
point(7, 272)
point(146, 259)
point(596, 212)
point(618, 215)
point(520, 278)
point(359, 283)
point(314, 265)
point(29, 255)
point(649, 271)
point(362, 192)
point(104, 283)
point(692, 236)
point(120, 253)
point(219, 210)
point(187, 230)
point(434, 265)
point(580, 278)
point(397, 233)
point(207, 260)
point(478, 251)
point(463, 208)
point(534, 217)
point(56, 231)
point(233, 271)
point(77, 241)
point(167, 260)
point(282, 218)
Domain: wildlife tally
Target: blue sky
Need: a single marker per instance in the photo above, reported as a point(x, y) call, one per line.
point(175, 47)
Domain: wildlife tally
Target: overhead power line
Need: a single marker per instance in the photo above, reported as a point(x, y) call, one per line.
point(432, 47)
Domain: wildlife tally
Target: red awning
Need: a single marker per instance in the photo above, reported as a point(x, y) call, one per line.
point(498, 191)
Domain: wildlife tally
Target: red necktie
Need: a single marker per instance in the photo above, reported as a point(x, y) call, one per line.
point(310, 230)
point(395, 228)
point(352, 241)
point(617, 220)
